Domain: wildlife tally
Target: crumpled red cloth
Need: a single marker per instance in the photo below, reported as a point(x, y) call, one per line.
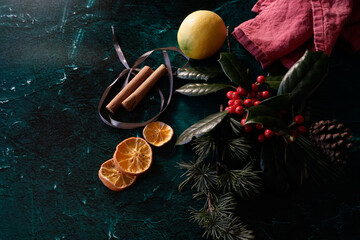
point(284, 29)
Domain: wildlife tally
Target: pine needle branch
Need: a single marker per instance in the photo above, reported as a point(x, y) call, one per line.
point(236, 126)
point(244, 182)
point(237, 148)
point(317, 164)
point(203, 146)
point(220, 222)
point(200, 175)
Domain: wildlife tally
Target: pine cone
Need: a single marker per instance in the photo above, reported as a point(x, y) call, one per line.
point(333, 138)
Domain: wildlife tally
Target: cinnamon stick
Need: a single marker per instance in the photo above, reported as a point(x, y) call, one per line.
point(133, 100)
point(115, 103)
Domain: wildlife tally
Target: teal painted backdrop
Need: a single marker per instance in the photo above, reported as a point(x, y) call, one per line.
point(57, 58)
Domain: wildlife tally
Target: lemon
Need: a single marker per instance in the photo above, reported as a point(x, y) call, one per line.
point(201, 34)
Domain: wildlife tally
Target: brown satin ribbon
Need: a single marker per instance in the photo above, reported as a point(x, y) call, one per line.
point(105, 115)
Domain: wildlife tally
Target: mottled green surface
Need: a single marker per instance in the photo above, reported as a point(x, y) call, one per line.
point(57, 58)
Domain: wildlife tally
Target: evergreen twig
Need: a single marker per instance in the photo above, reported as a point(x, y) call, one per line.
point(244, 182)
point(220, 222)
point(321, 170)
point(203, 146)
point(201, 175)
point(236, 126)
point(216, 216)
point(237, 148)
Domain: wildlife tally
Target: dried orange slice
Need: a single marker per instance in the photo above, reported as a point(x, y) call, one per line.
point(158, 133)
point(133, 156)
point(113, 178)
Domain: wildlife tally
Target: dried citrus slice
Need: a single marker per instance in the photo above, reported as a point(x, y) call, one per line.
point(133, 156)
point(158, 133)
point(113, 178)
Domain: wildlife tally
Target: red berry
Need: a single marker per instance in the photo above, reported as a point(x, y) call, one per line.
point(231, 102)
point(302, 129)
point(243, 121)
point(265, 94)
point(241, 90)
point(229, 94)
point(239, 110)
point(255, 88)
point(237, 102)
point(299, 119)
point(251, 95)
point(260, 79)
point(230, 109)
point(256, 103)
point(258, 126)
point(261, 137)
point(247, 128)
point(268, 133)
point(258, 95)
point(236, 95)
point(248, 102)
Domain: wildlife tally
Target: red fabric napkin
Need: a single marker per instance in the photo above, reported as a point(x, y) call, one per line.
point(285, 29)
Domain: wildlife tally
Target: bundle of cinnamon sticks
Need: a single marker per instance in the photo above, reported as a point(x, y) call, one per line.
point(130, 96)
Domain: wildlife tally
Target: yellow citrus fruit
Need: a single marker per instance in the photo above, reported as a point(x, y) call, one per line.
point(133, 156)
point(158, 133)
point(114, 179)
point(201, 34)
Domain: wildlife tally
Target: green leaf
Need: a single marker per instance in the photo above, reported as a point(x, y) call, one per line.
point(200, 128)
point(274, 81)
point(199, 73)
point(267, 113)
point(305, 76)
point(198, 89)
point(235, 70)
point(275, 124)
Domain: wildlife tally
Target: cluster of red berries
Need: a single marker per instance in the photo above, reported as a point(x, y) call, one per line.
point(240, 100)
point(299, 119)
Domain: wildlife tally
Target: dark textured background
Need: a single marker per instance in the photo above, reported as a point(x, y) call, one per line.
point(57, 58)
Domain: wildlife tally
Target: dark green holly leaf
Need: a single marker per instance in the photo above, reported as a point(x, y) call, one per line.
point(274, 81)
point(275, 124)
point(295, 163)
point(198, 89)
point(305, 76)
point(267, 113)
point(235, 70)
point(200, 128)
point(199, 73)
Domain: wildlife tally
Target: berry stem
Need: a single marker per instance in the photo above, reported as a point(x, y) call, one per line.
point(228, 39)
point(292, 124)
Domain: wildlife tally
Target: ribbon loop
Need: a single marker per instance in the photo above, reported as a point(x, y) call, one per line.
point(118, 50)
point(105, 115)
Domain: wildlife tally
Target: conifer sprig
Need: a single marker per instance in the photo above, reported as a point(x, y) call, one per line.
point(245, 182)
